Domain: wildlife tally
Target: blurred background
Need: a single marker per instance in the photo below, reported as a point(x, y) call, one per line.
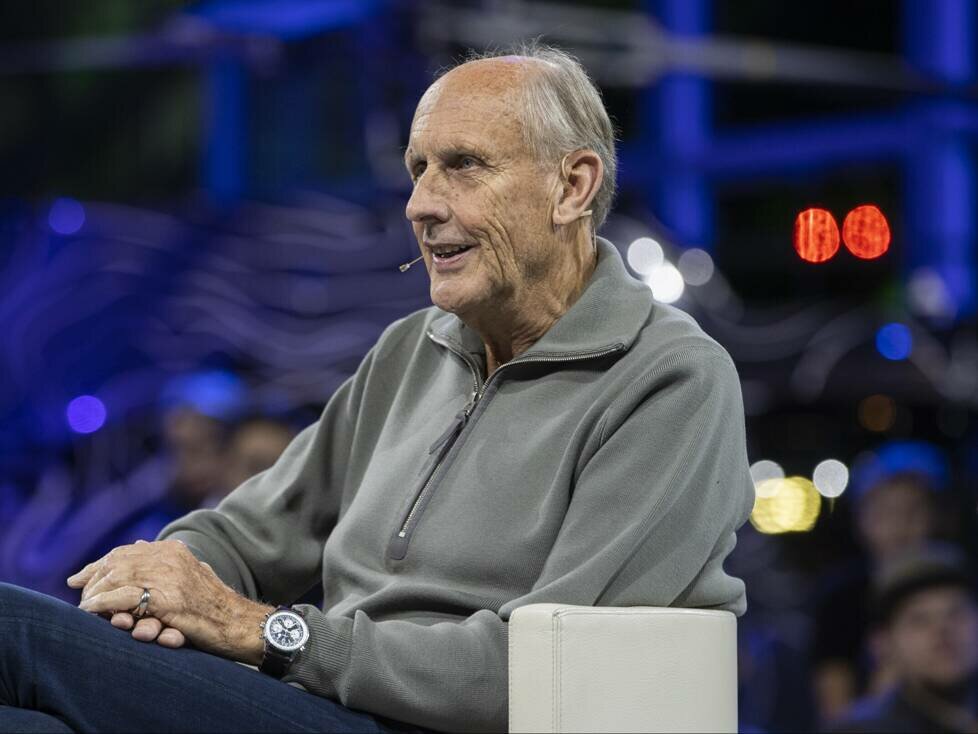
point(202, 215)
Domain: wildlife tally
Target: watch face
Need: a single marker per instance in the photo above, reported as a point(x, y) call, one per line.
point(286, 630)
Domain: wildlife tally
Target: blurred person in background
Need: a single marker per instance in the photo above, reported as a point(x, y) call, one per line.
point(63, 524)
point(196, 444)
point(926, 613)
point(203, 457)
point(209, 458)
point(897, 508)
point(255, 444)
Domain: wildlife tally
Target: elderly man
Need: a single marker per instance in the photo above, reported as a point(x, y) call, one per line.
point(545, 432)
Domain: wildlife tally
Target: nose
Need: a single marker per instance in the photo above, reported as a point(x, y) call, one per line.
point(427, 204)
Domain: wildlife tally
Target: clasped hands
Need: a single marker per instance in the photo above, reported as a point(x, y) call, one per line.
point(188, 602)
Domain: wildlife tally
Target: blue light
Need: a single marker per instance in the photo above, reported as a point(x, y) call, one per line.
point(217, 393)
point(291, 19)
point(893, 341)
point(66, 216)
point(86, 414)
point(900, 457)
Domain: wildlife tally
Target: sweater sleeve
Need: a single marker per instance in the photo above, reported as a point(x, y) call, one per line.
point(653, 514)
point(265, 539)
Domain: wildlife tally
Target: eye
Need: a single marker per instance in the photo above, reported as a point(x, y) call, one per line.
point(417, 170)
point(466, 162)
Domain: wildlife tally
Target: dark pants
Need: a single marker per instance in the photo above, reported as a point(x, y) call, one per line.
point(63, 670)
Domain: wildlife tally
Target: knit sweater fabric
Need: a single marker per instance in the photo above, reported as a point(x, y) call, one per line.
point(606, 465)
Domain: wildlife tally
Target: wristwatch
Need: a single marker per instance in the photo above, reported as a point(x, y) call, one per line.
point(285, 633)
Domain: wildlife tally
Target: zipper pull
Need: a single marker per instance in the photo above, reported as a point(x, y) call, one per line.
point(453, 430)
point(461, 418)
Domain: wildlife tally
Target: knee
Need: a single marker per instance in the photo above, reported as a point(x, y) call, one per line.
point(24, 720)
point(11, 596)
point(16, 601)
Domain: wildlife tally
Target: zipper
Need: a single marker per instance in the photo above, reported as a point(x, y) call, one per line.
point(450, 436)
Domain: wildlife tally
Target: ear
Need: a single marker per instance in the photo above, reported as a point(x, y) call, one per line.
point(581, 176)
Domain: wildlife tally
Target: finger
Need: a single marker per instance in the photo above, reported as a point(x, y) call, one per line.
point(171, 637)
point(100, 571)
point(147, 629)
point(124, 571)
point(92, 570)
point(120, 575)
point(82, 577)
point(122, 620)
point(116, 600)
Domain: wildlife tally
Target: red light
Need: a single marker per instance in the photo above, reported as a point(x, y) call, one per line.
point(816, 235)
point(866, 232)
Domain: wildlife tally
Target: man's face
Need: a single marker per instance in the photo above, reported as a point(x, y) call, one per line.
point(476, 184)
point(933, 639)
point(194, 443)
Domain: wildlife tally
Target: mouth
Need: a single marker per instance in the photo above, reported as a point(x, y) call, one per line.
point(449, 254)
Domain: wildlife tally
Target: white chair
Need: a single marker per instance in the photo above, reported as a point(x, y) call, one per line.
point(622, 669)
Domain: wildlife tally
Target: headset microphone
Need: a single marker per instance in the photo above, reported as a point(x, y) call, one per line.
point(405, 266)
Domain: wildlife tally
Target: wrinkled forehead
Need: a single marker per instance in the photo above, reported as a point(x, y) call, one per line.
point(478, 101)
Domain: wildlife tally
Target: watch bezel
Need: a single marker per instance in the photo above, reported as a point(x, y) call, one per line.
point(302, 625)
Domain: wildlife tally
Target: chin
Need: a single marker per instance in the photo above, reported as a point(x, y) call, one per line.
point(944, 676)
point(452, 299)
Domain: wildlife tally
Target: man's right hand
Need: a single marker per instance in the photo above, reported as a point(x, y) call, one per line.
point(149, 629)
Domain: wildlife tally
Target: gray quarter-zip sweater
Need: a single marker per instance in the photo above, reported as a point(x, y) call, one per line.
point(606, 465)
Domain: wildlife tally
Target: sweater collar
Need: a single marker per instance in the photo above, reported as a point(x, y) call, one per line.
point(612, 309)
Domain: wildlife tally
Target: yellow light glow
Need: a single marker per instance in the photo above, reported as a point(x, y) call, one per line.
point(786, 505)
point(763, 470)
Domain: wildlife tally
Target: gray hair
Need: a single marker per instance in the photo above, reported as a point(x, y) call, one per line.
point(564, 113)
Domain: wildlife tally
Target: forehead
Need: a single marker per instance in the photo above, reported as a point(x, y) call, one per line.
point(933, 598)
point(476, 104)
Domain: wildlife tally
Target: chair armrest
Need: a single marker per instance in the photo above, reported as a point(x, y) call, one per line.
point(643, 669)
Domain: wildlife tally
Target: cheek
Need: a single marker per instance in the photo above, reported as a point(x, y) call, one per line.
point(486, 217)
point(966, 634)
point(909, 646)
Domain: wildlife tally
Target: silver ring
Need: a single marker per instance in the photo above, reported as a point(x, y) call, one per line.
point(140, 611)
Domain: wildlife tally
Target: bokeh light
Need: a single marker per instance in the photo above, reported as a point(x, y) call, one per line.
point(816, 235)
point(900, 456)
point(696, 266)
point(830, 477)
point(666, 283)
point(85, 414)
point(66, 216)
point(217, 393)
point(762, 472)
point(928, 293)
point(866, 232)
point(789, 505)
point(644, 255)
point(894, 341)
point(877, 413)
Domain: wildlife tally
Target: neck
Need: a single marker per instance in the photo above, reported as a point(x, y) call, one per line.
point(517, 324)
